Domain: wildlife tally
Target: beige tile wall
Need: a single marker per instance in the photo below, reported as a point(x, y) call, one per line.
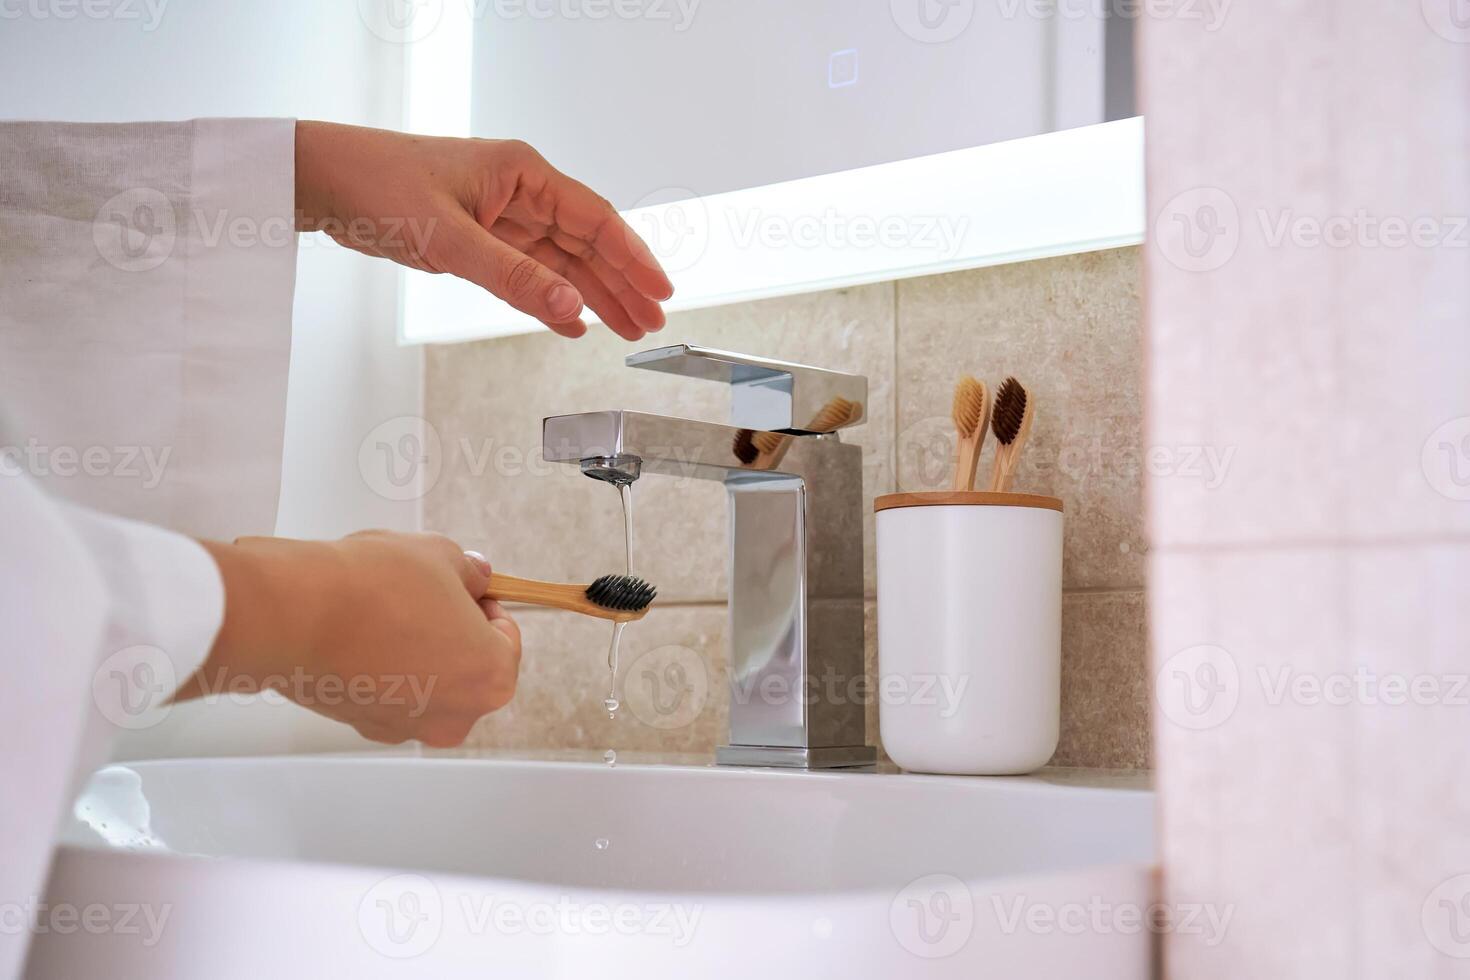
point(1310, 613)
point(1069, 327)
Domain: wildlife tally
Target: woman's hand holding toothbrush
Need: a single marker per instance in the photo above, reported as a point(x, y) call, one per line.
point(387, 632)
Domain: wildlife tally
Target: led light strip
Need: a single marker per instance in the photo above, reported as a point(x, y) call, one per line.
point(1077, 190)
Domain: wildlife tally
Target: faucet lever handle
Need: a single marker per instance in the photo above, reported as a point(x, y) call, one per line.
point(767, 394)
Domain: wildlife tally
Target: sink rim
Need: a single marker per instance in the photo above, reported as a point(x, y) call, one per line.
point(1058, 782)
point(1125, 780)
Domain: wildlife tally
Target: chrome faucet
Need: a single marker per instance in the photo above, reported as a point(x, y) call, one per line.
point(796, 539)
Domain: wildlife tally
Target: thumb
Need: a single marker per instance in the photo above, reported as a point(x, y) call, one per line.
point(474, 572)
point(473, 253)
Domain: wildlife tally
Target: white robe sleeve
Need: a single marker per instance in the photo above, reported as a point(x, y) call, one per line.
point(101, 619)
point(146, 274)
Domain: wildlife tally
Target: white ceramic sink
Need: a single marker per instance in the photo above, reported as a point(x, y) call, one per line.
point(447, 867)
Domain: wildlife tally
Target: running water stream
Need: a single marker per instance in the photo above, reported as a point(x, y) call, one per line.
point(625, 492)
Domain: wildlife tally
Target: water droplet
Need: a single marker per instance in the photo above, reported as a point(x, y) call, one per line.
point(611, 704)
point(610, 757)
point(602, 843)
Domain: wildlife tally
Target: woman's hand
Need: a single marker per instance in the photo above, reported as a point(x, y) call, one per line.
point(387, 632)
point(490, 211)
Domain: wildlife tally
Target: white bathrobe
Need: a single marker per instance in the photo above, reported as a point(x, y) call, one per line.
point(146, 273)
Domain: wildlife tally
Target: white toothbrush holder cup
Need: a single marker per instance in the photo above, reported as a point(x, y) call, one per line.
point(969, 630)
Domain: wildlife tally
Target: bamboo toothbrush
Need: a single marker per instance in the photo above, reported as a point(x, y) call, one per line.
point(1010, 420)
point(971, 413)
point(620, 598)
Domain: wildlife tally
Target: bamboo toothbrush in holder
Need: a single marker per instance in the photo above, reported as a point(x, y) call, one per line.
point(971, 414)
point(1010, 420)
point(620, 598)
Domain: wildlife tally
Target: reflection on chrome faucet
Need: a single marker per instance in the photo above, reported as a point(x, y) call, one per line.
point(796, 542)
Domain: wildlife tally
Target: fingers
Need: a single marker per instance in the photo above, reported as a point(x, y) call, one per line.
point(476, 576)
point(472, 253)
point(376, 732)
point(506, 653)
point(572, 328)
point(587, 216)
point(610, 309)
point(642, 310)
point(501, 621)
point(604, 288)
point(447, 732)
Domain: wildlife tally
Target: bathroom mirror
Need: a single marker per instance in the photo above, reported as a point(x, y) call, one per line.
point(764, 147)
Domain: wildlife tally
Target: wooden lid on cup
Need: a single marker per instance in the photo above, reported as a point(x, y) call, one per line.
point(965, 498)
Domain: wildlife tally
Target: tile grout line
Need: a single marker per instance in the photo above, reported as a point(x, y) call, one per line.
point(868, 597)
point(893, 400)
point(1413, 539)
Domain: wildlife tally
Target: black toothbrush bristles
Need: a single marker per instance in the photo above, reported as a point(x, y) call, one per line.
point(744, 447)
point(1008, 411)
point(621, 593)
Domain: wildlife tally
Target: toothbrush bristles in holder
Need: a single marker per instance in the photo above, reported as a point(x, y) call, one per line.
point(971, 414)
point(1010, 420)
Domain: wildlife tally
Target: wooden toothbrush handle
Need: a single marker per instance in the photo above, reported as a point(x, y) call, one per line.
point(967, 456)
point(1005, 468)
point(554, 595)
point(999, 477)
